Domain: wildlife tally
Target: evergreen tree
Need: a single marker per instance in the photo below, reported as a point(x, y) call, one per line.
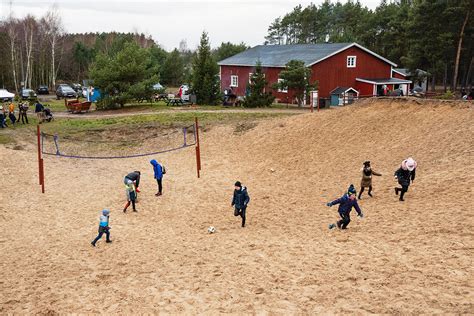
point(257, 96)
point(172, 71)
point(296, 77)
point(227, 50)
point(205, 74)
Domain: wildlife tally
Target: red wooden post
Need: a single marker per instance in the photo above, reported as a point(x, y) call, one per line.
point(38, 132)
point(198, 148)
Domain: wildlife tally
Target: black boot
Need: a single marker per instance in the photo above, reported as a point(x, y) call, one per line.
point(370, 191)
point(401, 195)
point(397, 190)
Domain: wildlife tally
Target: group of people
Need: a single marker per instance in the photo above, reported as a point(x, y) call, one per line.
point(132, 184)
point(405, 175)
point(8, 111)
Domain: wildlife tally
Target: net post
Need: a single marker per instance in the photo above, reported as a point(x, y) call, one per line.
point(184, 133)
point(42, 175)
point(198, 148)
point(38, 135)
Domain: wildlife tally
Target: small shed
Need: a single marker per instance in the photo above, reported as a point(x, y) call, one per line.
point(343, 95)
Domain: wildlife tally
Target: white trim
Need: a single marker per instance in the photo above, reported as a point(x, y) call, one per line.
point(385, 82)
point(282, 90)
point(232, 81)
point(352, 64)
point(356, 45)
point(398, 72)
point(345, 91)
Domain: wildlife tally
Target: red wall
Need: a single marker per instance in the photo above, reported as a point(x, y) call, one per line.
point(333, 72)
point(330, 73)
point(397, 75)
point(365, 89)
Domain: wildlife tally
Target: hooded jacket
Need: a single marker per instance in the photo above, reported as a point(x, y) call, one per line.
point(241, 198)
point(158, 170)
point(346, 204)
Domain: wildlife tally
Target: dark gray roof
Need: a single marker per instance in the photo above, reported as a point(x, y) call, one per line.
point(280, 55)
point(340, 90)
point(406, 72)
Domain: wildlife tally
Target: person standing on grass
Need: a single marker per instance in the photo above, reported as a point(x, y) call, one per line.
point(135, 177)
point(103, 228)
point(23, 108)
point(158, 171)
point(2, 117)
point(346, 203)
point(367, 173)
point(39, 111)
point(131, 194)
point(404, 174)
point(11, 113)
point(240, 201)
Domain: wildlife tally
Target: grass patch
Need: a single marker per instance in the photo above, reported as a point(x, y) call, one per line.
point(6, 139)
point(166, 119)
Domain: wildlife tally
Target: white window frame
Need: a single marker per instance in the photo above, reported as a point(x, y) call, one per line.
point(282, 90)
point(232, 79)
point(351, 61)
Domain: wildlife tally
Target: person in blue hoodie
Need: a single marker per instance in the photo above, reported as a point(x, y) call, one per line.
point(103, 228)
point(346, 203)
point(240, 201)
point(159, 171)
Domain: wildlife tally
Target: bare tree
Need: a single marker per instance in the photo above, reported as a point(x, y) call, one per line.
point(458, 52)
point(54, 30)
point(29, 28)
point(12, 36)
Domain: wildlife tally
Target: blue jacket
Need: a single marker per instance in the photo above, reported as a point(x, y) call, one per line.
point(346, 204)
point(39, 107)
point(157, 169)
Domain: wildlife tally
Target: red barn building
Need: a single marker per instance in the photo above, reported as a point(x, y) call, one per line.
point(334, 65)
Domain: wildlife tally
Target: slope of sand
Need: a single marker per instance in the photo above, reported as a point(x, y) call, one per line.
point(412, 257)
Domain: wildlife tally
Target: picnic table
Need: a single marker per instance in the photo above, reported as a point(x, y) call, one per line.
point(161, 97)
point(174, 102)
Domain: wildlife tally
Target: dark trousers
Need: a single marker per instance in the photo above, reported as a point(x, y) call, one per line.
point(241, 212)
point(362, 191)
point(128, 204)
point(402, 190)
point(160, 185)
point(346, 219)
point(23, 117)
point(101, 233)
point(12, 118)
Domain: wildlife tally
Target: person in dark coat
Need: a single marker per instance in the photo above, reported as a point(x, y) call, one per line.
point(367, 173)
point(346, 203)
point(404, 175)
point(23, 109)
point(240, 201)
point(2, 117)
point(39, 112)
point(135, 178)
point(158, 171)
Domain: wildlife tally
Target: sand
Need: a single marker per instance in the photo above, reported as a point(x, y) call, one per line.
point(411, 257)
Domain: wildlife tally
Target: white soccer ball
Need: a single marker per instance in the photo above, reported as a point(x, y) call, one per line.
point(211, 230)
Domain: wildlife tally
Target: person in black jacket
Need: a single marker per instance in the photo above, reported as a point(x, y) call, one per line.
point(346, 203)
point(404, 175)
point(135, 178)
point(240, 201)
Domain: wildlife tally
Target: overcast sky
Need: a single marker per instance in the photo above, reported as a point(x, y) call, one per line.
point(168, 21)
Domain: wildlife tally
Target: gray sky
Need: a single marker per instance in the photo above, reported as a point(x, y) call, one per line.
point(168, 21)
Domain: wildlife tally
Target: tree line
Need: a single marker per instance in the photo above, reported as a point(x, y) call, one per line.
point(435, 35)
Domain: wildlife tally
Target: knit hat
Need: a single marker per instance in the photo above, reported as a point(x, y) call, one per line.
point(238, 184)
point(105, 212)
point(366, 163)
point(409, 164)
point(351, 190)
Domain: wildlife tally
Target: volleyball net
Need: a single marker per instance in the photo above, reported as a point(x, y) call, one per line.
point(121, 144)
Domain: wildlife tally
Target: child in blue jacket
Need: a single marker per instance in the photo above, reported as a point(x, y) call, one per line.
point(158, 171)
point(103, 228)
point(346, 203)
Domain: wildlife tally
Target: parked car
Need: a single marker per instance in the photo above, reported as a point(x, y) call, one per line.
point(27, 94)
point(65, 91)
point(76, 87)
point(84, 92)
point(5, 95)
point(42, 90)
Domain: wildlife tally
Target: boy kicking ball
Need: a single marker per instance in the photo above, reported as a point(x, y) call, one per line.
point(346, 203)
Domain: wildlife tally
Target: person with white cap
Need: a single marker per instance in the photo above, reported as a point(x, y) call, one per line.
point(103, 227)
point(405, 174)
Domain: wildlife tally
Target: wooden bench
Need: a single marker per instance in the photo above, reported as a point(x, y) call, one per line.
point(74, 106)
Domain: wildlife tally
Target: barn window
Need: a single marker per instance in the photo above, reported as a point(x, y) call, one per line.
point(234, 81)
point(284, 90)
point(351, 61)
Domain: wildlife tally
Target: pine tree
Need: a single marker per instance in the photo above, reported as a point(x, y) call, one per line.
point(296, 77)
point(257, 96)
point(205, 75)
